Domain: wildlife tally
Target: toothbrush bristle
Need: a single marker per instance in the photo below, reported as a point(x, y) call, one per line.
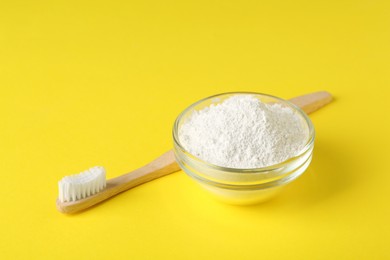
point(82, 185)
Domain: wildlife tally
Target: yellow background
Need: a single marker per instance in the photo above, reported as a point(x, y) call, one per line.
point(86, 83)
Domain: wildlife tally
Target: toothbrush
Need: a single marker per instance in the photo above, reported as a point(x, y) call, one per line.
point(81, 191)
point(87, 191)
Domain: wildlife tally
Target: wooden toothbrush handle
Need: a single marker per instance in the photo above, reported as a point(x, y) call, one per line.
point(163, 165)
point(166, 163)
point(313, 101)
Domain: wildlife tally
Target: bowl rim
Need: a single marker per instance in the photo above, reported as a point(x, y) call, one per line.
point(269, 168)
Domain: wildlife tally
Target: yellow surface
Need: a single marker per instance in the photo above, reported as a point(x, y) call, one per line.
point(101, 82)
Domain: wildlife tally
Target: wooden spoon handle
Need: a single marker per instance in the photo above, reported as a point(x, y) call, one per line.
point(166, 164)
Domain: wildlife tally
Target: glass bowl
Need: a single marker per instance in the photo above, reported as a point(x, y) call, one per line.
point(243, 186)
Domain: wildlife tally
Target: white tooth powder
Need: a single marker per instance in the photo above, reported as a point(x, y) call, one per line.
point(243, 132)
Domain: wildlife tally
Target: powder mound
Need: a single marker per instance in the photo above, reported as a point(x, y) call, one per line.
point(243, 132)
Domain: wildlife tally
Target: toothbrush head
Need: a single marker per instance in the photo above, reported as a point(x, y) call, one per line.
point(82, 185)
